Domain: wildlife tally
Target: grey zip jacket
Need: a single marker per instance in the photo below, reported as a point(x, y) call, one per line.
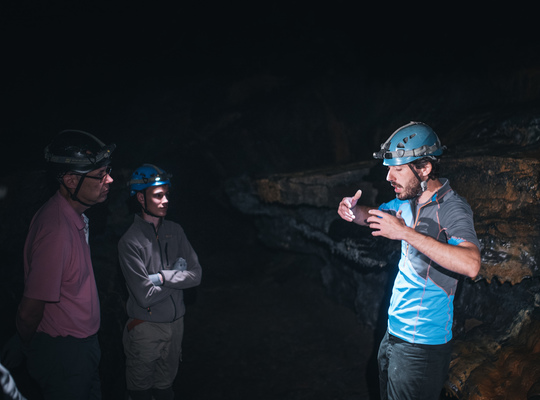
point(143, 251)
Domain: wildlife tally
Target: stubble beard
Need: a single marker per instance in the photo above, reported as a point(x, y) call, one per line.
point(410, 192)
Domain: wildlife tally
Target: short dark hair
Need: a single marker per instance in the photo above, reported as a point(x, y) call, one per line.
point(435, 165)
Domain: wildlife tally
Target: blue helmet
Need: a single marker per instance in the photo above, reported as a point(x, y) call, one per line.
point(148, 175)
point(410, 142)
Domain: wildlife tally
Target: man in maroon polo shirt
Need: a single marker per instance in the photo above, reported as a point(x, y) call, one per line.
point(58, 317)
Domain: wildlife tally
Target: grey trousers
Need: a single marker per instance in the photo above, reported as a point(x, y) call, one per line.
point(412, 371)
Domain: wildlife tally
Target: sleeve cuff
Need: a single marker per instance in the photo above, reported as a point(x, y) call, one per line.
point(155, 279)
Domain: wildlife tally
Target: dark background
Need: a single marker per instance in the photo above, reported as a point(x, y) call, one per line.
point(133, 72)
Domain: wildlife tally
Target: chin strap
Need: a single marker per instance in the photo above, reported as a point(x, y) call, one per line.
point(145, 207)
point(74, 194)
point(423, 184)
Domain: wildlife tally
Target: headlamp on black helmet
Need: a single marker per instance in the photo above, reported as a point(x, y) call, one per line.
point(77, 151)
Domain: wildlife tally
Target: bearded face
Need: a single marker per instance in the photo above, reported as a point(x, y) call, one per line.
point(406, 185)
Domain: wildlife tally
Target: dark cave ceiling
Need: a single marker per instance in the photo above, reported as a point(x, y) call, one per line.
point(98, 43)
point(75, 62)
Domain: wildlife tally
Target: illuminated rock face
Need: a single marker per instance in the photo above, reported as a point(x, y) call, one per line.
point(497, 339)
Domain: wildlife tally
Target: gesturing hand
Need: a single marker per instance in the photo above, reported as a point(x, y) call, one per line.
point(347, 204)
point(386, 225)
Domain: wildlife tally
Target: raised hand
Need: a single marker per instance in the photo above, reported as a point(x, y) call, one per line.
point(347, 205)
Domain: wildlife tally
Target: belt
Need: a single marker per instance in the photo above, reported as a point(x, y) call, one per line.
point(133, 323)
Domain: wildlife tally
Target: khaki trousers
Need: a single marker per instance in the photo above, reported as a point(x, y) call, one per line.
point(153, 352)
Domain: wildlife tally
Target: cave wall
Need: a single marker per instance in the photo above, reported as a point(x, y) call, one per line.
point(496, 314)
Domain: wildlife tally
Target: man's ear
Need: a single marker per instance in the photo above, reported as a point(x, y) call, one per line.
point(426, 169)
point(140, 198)
point(71, 180)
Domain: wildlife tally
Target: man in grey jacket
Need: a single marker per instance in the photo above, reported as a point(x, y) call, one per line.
point(158, 262)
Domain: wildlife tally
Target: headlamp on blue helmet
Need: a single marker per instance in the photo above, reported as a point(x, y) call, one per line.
point(410, 142)
point(148, 175)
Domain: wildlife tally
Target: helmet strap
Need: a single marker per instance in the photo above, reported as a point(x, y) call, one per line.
point(423, 184)
point(74, 194)
point(145, 207)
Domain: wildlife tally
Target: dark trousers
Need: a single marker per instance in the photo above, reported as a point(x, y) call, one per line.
point(66, 368)
point(412, 371)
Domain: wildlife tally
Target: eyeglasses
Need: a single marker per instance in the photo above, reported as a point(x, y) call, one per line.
point(102, 178)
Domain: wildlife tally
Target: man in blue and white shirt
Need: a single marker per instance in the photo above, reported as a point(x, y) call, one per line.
point(438, 243)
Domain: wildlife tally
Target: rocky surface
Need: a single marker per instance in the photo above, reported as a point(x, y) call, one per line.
point(497, 314)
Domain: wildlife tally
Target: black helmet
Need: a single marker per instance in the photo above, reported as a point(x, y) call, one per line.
point(77, 151)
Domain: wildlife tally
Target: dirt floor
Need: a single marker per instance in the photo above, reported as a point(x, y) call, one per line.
point(263, 327)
